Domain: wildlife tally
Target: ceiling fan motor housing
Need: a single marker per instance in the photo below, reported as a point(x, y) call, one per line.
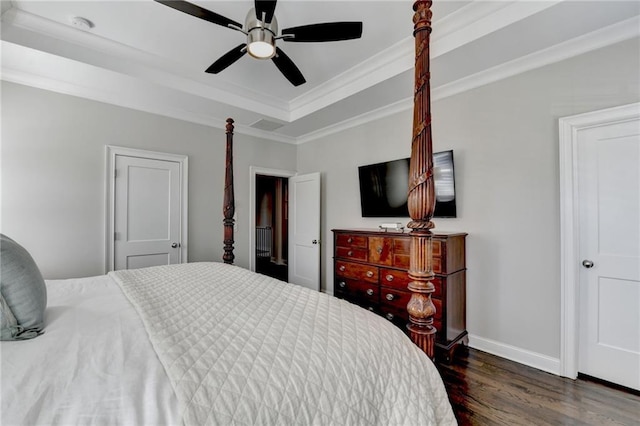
point(260, 34)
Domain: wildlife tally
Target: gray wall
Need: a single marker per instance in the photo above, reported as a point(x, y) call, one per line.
point(53, 176)
point(505, 142)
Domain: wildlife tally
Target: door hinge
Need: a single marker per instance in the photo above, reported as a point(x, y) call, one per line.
point(115, 173)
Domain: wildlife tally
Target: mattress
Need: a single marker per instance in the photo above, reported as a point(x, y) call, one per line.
point(209, 343)
point(94, 364)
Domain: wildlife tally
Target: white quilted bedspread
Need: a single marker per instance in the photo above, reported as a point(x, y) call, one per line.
point(243, 348)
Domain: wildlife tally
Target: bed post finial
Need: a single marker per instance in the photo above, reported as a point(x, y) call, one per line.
point(421, 191)
point(228, 208)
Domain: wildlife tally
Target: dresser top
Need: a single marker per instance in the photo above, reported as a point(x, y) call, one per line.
point(393, 232)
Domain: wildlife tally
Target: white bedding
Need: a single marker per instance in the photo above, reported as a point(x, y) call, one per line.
point(216, 345)
point(243, 348)
point(94, 365)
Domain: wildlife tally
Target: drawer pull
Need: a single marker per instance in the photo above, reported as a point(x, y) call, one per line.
point(371, 308)
point(342, 284)
point(369, 274)
point(350, 240)
point(370, 292)
point(350, 253)
point(389, 277)
point(390, 297)
point(342, 268)
point(379, 250)
point(389, 316)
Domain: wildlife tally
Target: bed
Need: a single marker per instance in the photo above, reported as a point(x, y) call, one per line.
point(172, 345)
point(213, 343)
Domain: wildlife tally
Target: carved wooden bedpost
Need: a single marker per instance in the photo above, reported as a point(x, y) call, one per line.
point(228, 208)
point(421, 191)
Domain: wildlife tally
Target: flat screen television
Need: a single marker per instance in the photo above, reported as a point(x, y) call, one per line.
point(384, 187)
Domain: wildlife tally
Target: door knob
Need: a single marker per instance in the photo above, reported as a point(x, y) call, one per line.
point(175, 245)
point(587, 263)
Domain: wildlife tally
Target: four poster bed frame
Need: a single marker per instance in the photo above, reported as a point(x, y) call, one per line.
point(421, 197)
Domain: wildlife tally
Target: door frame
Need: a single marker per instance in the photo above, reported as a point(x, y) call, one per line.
point(110, 167)
point(569, 131)
point(253, 172)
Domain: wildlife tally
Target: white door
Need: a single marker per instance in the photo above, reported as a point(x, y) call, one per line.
point(609, 234)
point(147, 213)
point(304, 230)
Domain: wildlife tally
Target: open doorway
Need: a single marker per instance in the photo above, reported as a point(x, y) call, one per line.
point(271, 226)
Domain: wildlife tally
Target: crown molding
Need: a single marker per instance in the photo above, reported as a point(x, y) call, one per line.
point(604, 37)
point(367, 117)
point(263, 134)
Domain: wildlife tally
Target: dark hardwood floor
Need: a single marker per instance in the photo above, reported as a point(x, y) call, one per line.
point(488, 390)
point(266, 267)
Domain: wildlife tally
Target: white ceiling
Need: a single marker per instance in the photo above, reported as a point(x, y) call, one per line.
point(147, 56)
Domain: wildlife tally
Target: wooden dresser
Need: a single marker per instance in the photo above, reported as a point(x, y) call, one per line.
point(370, 270)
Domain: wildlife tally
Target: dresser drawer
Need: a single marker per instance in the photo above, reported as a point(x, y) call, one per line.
point(381, 250)
point(400, 280)
point(440, 332)
point(364, 304)
point(436, 247)
point(401, 320)
point(394, 278)
point(395, 298)
point(362, 290)
point(397, 301)
point(399, 317)
point(437, 283)
point(357, 271)
point(352, 253)
point(351, 240)
point(437, 252)
point(401, 252)
point(438, 304)
point(437, 265)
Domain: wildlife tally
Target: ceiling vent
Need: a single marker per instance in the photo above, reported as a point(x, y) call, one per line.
point(267, 125)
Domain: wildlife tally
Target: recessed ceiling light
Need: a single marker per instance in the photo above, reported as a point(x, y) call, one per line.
point(81, 23)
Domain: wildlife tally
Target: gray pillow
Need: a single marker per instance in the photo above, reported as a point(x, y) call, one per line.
point(23, 294)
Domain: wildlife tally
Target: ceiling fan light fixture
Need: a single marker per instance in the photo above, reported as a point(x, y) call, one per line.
point(261, 29)
point(261, 43)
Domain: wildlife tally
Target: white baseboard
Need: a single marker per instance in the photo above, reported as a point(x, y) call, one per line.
point(513, 353)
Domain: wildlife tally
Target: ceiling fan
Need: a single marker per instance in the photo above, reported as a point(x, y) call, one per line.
point(261, 29)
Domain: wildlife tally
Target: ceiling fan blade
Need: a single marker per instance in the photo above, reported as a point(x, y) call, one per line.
point(198, 12)
point(267, 7)
point(330, 31)
point(288, 68)
point(227, 59)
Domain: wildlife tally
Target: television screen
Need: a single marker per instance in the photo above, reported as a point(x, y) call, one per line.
point(384, 187)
